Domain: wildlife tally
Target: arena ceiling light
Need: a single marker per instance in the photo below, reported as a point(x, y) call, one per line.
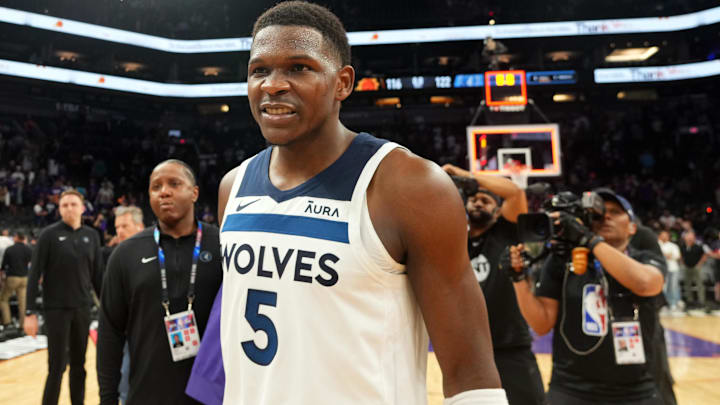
point(67, 56)
point(564, 97)
point(631, 54)
point(132, 66)
point(386, 37)
point(211, 70)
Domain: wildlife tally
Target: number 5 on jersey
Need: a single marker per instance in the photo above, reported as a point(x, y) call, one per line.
point(258, 321)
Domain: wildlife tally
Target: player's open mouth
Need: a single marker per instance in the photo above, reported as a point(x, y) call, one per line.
point(277, 111)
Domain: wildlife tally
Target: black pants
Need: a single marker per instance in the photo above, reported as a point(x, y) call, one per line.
point(661, 367)
point(67, 332)
point(556, 397)
point(520, 376)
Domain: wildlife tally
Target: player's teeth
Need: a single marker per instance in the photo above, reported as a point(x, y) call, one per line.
point(278, 110)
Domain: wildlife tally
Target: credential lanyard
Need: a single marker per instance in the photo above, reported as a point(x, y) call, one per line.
point(163, 271)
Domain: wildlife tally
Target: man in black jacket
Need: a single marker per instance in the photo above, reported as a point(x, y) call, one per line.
point(15, 264)
point(135, 294)
point(68, 260)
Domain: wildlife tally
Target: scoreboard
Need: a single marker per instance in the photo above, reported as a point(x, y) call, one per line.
point(507, 87)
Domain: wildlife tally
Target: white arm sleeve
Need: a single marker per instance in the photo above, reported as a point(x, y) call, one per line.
point(494, 396)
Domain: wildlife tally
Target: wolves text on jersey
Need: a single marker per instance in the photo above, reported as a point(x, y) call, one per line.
point(244, 258)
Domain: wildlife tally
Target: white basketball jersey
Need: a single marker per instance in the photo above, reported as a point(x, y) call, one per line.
point(314, 309)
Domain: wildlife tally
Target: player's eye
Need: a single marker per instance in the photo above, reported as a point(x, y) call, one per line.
point(258, 70)
point(299, 67)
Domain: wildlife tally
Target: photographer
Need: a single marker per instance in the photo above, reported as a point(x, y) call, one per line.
point(602, 309)
point(492, 228)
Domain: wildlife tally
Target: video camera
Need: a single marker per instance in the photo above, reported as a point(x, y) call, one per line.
point(539, 227)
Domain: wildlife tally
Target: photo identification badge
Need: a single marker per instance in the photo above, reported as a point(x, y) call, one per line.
point(627, 338)
point(183, 335)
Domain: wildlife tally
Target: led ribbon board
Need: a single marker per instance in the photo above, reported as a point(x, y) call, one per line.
point(386, 37)
point(658, 73)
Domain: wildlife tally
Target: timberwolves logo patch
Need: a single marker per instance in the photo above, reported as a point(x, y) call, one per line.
point(86, 239)
point(481, 266)
point(205, 256)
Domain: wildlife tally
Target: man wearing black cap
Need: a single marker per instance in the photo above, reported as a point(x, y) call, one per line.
point(604, 317)
point(492, 217)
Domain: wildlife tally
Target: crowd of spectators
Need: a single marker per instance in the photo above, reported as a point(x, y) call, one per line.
point(658, 154)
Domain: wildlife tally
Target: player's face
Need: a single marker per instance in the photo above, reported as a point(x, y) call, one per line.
point(664, 236)
point(172, 194)
point(615, 227)
point(126, 227)
point(295, 83)
point(71, 208)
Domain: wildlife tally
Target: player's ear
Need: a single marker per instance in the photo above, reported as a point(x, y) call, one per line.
point(344, 83)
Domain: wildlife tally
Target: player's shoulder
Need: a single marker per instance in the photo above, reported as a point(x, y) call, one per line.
point(405, 172)
point(229, 177)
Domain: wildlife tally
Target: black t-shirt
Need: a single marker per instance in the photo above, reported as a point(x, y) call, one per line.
point(595, 375)
point(16, 260)
point(507, 325)
point(70, 264)
point(691, 255)
point(131, 310)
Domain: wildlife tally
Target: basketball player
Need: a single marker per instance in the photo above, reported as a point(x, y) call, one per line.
point(604, 319)
point(340, 249)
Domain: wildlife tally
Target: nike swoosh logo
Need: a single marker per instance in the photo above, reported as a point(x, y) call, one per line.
point(62, 238)
point(148, 259)
point(242, 206)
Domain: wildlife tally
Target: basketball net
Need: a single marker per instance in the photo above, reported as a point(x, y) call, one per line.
point(518, 173)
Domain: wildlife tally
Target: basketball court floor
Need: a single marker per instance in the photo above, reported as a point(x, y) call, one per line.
point(693, 346)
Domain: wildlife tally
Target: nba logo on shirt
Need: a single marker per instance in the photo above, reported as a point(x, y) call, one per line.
point(594, 311)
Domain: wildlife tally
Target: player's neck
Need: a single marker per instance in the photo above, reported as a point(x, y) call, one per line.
point(299, 161)
point(183, 227)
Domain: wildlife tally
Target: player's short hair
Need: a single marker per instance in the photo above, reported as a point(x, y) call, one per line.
point(72, 191)
point(310, 15)
point(20, 235)
point(135, 212)
point(186, 168)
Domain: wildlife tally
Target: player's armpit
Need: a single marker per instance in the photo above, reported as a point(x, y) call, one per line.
point(419, 216)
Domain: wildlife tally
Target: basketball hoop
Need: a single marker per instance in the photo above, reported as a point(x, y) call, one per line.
point(518, 173)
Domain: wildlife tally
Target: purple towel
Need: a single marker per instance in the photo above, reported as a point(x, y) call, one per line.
point(207, 381)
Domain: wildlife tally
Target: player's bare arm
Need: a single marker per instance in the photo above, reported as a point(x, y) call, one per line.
point(419, 216)
point(514, 200)
point(539, 312)
point(224, 193)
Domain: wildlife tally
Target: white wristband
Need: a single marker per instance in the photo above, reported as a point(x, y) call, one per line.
point(493, 396)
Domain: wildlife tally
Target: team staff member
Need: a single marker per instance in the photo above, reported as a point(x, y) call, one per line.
point(340, 247)
point(69, 261)
point(597, 316)
point(132, 299)
point(15, 264)
point(128, 222)
point(492, 229)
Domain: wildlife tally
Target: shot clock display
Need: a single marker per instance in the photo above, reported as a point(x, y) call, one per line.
point(507, 87)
